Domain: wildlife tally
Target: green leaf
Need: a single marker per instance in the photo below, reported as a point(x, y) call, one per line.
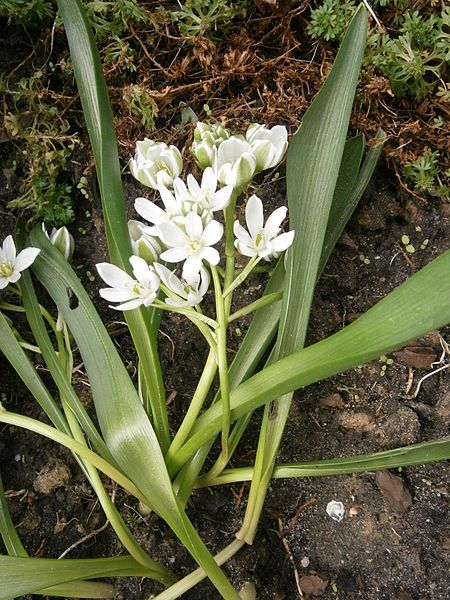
point(20, 576)
point(50, 356)
point(419, 305)
point(346, 197)
point(313, 164)
point(22, 365)
point(124, 423)
point(416, 454)
point(143, 324)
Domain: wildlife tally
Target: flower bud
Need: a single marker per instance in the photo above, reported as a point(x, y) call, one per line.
point(63, 241)
point(143, 245)
point(156, 163)
point(234, 162)
point(269, 145)
point(206, 139)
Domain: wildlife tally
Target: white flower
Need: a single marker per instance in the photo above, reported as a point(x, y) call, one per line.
point(11, 263)
point(190, 292)
point(62, 239)
point(263, 240)
point(234, 162)
point(206, 139)
point(205, 198)
point(269, 145)
point(143, 245)
point(156, 215)
point(155, 163)
point(193, 244)
point(130, 292)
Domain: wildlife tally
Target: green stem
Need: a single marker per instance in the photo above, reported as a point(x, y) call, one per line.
point(222, 319)
point(193, 315)
point(242, 275)
point(257, 304)
point(196, 404)
point(188, 582)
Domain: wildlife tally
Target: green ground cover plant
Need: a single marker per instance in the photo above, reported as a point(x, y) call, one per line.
point(133, 445)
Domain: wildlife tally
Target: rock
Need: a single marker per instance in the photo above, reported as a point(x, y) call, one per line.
point(418, 357)
point(346, 241)
point(442, 410)
point(313, 585)
point(371, 218)
point(52, 478)
point(332, 401)
point(394, 491)
point(358, 421)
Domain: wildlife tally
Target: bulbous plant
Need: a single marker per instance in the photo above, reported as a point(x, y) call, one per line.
point(133, 445)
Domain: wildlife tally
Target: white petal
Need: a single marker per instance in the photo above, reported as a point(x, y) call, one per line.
point(194, 226)
point(163, 272)
point(194, 188)
point(254, 216)
point(141, 270)
point(129, 305)
point(210, 255)
point(209, 182)
point(244, 249)
point(4, 281)
point(212, 233)
point(222, 198)
point(170, 204)
point(172, 235)
point(192, 266)
point(25, 258)
point(149, 210)
point(175, 302)
point(116, 295)
point(242, 234)
point(231, 150)
point(204, 281)
point(273, 223)
point(15, 276)
point(113, 276)
point(9, 250)
point(282, 242)
point(174, 255)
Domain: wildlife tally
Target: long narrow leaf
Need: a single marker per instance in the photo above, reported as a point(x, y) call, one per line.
point(22, 365)
point(416, 454)
point(50, 356)
point(99, 120)
point(313, 163)
point(20, 576)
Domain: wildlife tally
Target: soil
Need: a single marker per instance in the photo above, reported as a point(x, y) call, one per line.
point(390, 544)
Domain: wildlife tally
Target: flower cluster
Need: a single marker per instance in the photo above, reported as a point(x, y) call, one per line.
point(185, 229)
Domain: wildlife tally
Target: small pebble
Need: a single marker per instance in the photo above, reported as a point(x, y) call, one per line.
point(305, 562)
point(353, 511)
point(335, 510)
